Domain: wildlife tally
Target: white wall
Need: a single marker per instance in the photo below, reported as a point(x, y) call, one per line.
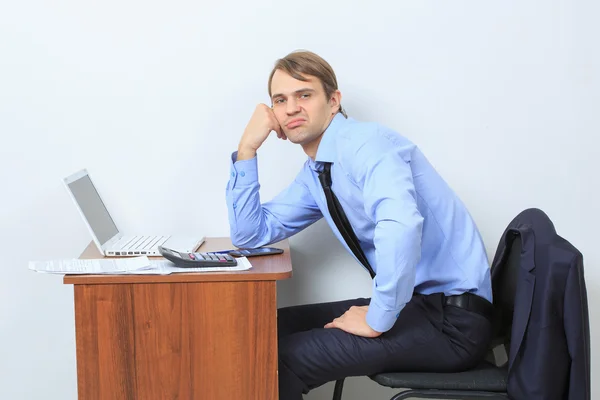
point(152, 97)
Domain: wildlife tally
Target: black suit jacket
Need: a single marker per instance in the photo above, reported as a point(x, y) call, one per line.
point(549, 355)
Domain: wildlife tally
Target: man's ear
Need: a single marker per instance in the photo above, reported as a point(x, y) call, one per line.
point(335, 101)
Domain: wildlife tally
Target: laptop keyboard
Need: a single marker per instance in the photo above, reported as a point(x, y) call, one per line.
point(138, 243)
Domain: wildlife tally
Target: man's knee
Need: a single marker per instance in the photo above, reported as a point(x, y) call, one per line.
point(292, 381)
point(300, 355)
point(288, 351)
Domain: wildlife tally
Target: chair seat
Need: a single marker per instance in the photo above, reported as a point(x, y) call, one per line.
point(484, 377)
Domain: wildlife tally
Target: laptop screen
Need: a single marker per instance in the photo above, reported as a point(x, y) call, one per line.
point(93, 209)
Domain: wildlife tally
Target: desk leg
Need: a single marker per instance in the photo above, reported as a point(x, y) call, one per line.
point(199, 340)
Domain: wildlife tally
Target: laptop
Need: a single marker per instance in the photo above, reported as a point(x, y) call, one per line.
point(111, 242)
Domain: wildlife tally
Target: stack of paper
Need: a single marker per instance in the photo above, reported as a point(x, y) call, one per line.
point(92, 266)
point(134, 266)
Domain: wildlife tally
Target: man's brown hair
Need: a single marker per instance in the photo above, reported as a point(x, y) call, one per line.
point(299, 63)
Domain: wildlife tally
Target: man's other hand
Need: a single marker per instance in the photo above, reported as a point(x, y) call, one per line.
point(354, 321)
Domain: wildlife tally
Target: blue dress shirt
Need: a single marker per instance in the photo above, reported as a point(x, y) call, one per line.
point(414, 230)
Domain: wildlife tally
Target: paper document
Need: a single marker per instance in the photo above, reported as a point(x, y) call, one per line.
point(133, 266)
point(167, 267)
point(92, 266)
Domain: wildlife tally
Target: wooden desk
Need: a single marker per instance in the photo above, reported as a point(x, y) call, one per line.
point(180, 336)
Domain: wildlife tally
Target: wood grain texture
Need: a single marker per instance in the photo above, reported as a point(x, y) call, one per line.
point(198, 340)
point(104, 342)
point(272, 267)
point(206, 340)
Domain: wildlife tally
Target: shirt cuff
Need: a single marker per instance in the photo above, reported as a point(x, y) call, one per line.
point(244, 172)
point(381, 320)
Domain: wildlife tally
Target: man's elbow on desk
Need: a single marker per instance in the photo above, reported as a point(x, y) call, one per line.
point(248, 240)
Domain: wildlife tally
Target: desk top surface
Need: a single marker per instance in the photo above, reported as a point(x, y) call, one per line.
point(264, 268)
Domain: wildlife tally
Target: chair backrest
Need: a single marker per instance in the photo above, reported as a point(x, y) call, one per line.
point(504, 288)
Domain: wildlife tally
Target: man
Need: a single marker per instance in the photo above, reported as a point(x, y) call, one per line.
point(431, 300)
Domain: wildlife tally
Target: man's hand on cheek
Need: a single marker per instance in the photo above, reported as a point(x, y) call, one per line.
point(354, 321)
point(261, 124)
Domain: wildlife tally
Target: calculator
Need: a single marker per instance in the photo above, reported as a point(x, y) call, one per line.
point(197, 260)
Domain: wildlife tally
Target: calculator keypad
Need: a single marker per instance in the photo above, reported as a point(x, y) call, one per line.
point(210, 257)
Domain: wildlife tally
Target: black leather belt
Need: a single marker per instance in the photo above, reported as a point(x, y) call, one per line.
point(471, 302)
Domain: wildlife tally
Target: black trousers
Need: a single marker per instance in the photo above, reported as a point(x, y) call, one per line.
point(427, 336)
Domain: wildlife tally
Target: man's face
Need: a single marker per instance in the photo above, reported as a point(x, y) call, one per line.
point(301, 107)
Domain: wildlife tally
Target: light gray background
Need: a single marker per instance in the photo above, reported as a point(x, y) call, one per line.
point(152, 98)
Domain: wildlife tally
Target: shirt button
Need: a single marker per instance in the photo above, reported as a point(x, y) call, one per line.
point(232, 174)
point(242, 174)
point(234, 205)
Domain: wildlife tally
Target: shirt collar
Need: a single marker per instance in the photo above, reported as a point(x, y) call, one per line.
point(326, 151)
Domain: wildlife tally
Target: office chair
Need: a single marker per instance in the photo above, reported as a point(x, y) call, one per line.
point(486, 381)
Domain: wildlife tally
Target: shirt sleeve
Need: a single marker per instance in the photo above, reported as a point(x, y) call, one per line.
point(390, 201)
point(253, 224)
